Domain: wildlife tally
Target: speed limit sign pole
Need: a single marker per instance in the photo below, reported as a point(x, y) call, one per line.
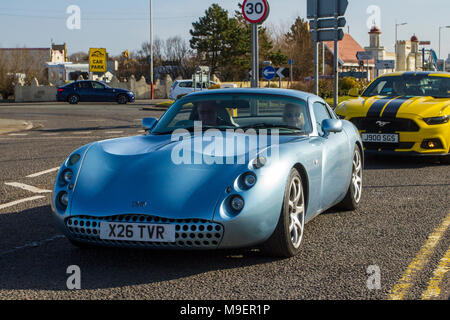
point(255, 12)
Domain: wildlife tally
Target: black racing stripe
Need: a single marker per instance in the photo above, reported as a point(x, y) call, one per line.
point(376, 108)
point(390, 112)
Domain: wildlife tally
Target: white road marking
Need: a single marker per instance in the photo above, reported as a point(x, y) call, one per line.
point(27, 187)
point(33, 244)
point(141, 131)
point(13, 203)
point(93, 120)
point(114, 132)
point(18, 134)
point(82, 132)
point(42, 172)
point(50, 134)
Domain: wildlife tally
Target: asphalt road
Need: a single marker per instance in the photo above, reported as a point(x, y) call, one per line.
point(400, 229)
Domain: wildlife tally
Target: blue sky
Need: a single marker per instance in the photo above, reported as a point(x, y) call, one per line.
point(119, 25)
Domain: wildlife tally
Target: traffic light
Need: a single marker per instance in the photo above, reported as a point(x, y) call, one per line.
point(126, 54)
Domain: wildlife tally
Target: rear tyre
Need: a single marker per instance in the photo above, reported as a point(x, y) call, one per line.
point(122, 99)
point(286, 240)
point(73, 99)
point(354, 192)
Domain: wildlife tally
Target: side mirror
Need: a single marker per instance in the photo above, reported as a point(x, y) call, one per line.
point(149, 123)
point(353, 92)
point(331, 125)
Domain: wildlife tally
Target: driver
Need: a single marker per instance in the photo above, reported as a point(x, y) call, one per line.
point(294, 115)
point(207, 113)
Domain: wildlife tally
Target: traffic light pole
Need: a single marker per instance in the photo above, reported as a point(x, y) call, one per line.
point(152, 89)
point(336, 54)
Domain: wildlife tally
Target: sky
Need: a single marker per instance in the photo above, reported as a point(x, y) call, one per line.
point(120, 25)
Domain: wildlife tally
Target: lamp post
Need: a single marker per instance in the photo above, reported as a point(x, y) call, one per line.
point(152, 91)
point(440, 28)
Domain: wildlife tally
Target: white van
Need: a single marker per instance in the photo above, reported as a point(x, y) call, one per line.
point(183, 87)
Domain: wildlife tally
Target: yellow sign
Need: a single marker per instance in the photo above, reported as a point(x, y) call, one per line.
point(97, 60)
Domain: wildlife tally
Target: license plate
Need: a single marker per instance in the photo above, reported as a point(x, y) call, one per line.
point(137, 232)
point(380, 137)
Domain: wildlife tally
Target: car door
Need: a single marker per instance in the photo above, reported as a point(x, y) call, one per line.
point(85, 91)
point(335, 157)
point(100, 92)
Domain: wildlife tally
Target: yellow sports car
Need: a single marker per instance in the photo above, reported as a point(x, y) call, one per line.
point(404, 113)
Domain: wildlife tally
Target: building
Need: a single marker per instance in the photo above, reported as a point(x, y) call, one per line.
point(379, 52)
point(32, 60)
point(347, 60)
point(408, 55)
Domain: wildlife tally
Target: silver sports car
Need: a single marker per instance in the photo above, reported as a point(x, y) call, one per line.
point(220, 169)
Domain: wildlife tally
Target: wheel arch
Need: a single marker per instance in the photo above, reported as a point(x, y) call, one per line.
point(304, 175)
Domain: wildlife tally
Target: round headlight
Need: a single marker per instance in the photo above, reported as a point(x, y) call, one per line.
point(237, 203)
point(249, 180)
point(64, 199)
point(68, 176)
point(74, 159)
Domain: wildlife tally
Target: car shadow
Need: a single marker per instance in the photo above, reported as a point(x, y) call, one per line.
point(35, 256)
point(376, 162)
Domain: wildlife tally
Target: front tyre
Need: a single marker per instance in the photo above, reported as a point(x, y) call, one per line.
point(287, 237)
point(354, 192)
point(122, 99)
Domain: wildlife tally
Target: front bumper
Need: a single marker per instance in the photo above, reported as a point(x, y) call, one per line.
point(189, 233)
point(412, 138)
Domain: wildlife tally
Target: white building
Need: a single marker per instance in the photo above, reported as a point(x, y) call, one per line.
point(407, 55)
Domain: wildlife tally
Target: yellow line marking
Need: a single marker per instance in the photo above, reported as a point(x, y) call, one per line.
point(402, 286)
point(433, 290)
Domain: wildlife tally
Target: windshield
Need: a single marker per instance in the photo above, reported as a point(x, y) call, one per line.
point(438, 87)
point(235, 111)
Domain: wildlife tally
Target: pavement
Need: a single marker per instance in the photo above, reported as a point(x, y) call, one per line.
point(395, 246)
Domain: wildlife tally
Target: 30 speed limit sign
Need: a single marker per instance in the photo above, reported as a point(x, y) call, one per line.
point(255, 11)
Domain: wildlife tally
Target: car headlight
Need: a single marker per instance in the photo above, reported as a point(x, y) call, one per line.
point(237, 203)
point(436, 120)
point(68, 176)
point(74, 159)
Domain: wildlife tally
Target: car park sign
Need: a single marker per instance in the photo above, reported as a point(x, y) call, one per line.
point(97, 60)
point(255, 11)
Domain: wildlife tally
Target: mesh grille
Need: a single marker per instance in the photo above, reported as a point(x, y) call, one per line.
point(391, 126)
point(189, 233)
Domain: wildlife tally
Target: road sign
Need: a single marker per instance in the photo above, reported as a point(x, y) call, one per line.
point(425, 43)
point(327, 23)
point(269, 73)
point(385, 64)
point(97, 60)
point(255, 11)
point(325, 8)
point(327, 35)
point(291, 62)
point(283, 73)
point(364, 55)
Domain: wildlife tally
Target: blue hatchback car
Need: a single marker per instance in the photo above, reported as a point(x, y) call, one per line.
point(93, 91)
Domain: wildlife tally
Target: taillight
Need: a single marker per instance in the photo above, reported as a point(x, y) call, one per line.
point(60, 90)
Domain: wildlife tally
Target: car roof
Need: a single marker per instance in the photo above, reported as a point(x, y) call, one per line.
point(262, 91)
point(418, 73)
